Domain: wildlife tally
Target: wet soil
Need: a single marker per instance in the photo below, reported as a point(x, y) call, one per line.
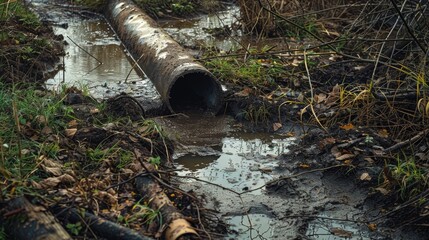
point(266, 186)
point(28, 51)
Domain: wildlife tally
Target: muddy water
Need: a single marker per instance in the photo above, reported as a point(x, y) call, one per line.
point(231, 162)
point(95, 59)
point(212, 30)
point(235, 165)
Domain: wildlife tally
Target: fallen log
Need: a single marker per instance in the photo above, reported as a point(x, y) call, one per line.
point(100, 226)
point(177, 226)
point(23, 220)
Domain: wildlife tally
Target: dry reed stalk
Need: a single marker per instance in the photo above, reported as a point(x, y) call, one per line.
point(257, 20)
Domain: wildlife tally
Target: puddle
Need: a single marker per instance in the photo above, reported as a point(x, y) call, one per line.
point(251, 226)
point(325, 229)
point(241, 165)
point(96, 61)
point(212, 30)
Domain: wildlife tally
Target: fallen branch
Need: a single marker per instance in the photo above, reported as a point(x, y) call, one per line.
point(100, 226)
point(406, 142)
point(177, 226)
point(23, 220)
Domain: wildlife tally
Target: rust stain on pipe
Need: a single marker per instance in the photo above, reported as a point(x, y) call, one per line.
point(182, 83)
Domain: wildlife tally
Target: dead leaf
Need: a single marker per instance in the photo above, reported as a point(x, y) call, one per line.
point(244, 93)
point(53, 170)
point(54, 181)
point(300, 97)
point(369, 160)
point(94, 110)
point(372, 226)
point(365, 177)
point(288, 134)
point(49, 162)
point(296, 62)
point(347, 127)
point(336, 152)
point(383, 191)
point(41, 119)
point(339, 232)
point(320, 98)
point(333, 96)
point(50, 182)
point(46, 131)
point(36, 185)
point(304, 165)
point(358, 68)
point(378, 152)
point(71, 132)
point(72, 123)
point(25, 151)
point(383, 133)
point(133, 139)
point(277, 126)
point(326, 142)
point(345, 157)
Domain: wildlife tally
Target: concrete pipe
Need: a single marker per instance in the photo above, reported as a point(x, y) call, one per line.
point(183, 84)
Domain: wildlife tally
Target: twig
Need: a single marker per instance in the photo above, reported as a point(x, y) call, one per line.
point(100, 62)
point(415, 200)
point(266, 184)
point(327, 218)
point(126, 181)
point(201, 224)
point(159, 180)
point(210, 183)
point(312, 92)
point(408, 27)
point(314, 35)
point(272, 182)
point(406, 142)
point(350, 143)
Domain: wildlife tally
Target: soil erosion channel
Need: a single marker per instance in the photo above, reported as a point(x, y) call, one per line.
point(215, 149)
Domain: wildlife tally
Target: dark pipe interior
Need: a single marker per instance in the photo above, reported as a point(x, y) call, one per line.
point(196, 91)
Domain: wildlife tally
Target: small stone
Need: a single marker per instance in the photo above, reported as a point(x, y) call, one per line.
point(232, 180)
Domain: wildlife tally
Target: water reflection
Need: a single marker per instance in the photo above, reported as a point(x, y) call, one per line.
point(96, 61)
point(212, 30)
point(242, 164)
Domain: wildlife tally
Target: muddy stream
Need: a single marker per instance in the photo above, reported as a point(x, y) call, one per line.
point(215, 149)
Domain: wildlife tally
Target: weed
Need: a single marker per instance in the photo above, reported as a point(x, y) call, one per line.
point(74, 228)
point(144, 212)
point(182, 7)
point(253, 73)
point(16, 10)
point(257, 114)
point(3, 235)
point(156, 161)
point(141, 212)
point(31, 112)
point(125, 158)
point(411, 178)
point(50, 149)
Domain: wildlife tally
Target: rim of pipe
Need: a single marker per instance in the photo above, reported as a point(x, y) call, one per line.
point(194, 89)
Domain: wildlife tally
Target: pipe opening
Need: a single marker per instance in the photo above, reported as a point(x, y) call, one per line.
point(195, 92)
